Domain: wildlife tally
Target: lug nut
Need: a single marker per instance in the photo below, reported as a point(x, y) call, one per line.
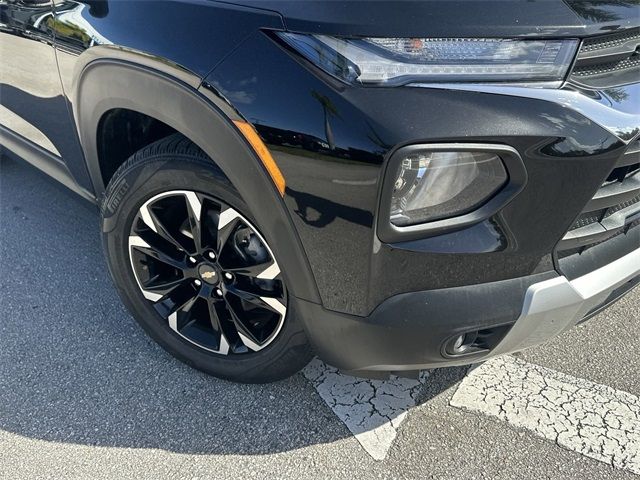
point(218, 292)
point(228, 276)
point(192, 260)
point(212, 255)
point(197, 282)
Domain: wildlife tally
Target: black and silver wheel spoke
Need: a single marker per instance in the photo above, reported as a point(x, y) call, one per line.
point(253, 315)
point(227, 223)
point(264, 302)
point(160, 285)
point(246, 337)
point(268, 270)
point(176, 218)
point(216, 315)
point(194, 208)
point(151, 249)
point(171, 237)
point(175, 299)
point(156, 225)
point(207, 271)
point(209, 224)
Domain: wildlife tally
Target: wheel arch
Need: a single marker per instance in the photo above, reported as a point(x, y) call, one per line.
point(105, 84)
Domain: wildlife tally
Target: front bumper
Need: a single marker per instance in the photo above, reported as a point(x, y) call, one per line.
point(410, 331)
point(552, 306)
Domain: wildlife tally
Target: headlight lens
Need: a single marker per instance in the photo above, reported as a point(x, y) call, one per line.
point(392, 61)
point(434, 185)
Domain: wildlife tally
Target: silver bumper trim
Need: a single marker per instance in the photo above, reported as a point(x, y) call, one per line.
point(552, 306)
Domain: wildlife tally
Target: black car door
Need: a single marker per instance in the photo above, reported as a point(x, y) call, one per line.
point(32, 106)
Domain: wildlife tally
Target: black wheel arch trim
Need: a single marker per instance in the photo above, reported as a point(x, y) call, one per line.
point(103, 84)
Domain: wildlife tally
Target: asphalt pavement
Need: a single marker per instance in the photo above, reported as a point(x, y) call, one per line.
point(85, 394)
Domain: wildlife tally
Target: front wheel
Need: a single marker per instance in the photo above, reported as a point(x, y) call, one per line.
point(192, 267)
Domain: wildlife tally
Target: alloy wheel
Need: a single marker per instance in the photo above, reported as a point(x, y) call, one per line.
point(208, 272)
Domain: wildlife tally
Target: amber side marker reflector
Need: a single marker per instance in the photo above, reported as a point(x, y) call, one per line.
point(263, 154)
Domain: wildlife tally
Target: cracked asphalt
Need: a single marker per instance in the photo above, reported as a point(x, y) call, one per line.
point(372, 410)
point(594, 420)
point(85, 394)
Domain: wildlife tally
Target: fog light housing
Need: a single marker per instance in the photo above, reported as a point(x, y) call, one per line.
point(431, 189)
point(434, 185)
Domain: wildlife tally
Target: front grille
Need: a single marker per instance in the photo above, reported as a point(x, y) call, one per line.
point(610, 41)
point(603, 68)
point(608, 60)
point(598, 216)
point(613, 210)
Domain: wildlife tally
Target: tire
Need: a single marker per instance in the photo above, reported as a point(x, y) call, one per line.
point(145, 200)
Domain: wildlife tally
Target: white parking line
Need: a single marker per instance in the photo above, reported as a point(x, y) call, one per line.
point(594, 420)
point(371, 409)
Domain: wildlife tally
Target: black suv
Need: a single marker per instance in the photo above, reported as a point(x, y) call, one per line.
point(391, 185)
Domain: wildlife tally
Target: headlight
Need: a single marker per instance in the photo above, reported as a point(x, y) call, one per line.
point(433, 185)
point(392, 61)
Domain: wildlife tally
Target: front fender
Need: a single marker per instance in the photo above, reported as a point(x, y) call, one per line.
point(105, 84)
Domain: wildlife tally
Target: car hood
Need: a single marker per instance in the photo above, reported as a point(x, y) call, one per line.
point(453, 18)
